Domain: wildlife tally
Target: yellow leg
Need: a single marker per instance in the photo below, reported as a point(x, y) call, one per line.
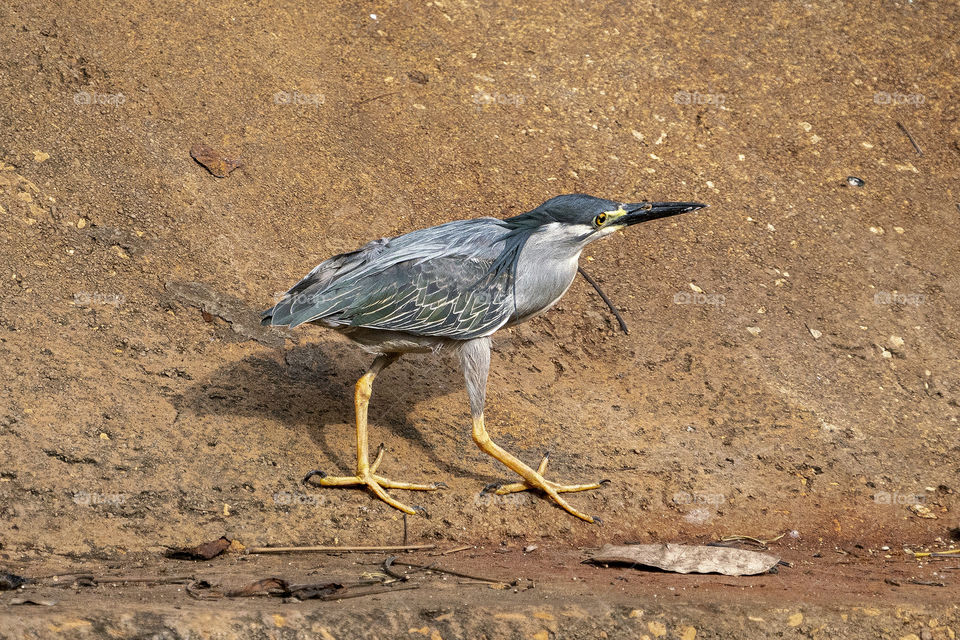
point(365, 470)
point(532, 479)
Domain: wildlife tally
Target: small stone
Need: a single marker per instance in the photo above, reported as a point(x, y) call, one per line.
point(418, 76)
point(795, 620)
point(530, 548)
point(854, 181)
point(81, 223)
point(658, 629)
point(923, 511)
point(816, 333)
point(896, 341)
point(754, 331)
point(40, 156)
point(695, 288)
point(635, 613)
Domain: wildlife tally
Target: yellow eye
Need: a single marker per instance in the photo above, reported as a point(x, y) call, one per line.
point(600, 219)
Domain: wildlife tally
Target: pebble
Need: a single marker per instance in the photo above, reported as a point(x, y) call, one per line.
point(854, 181)
point(754, 331)
point(816, 333)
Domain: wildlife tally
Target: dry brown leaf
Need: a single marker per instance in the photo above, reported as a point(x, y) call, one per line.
point(681, 558)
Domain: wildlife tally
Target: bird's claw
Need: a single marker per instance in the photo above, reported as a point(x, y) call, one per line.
point(440, 485)
point(493, 486)
point(420, 510)
point(605, 481)
point(597, 521)
point(315, 472)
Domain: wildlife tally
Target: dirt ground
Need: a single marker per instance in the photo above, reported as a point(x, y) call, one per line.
point(792, 363)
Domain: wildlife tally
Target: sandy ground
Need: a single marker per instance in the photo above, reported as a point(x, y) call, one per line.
point(792, 359)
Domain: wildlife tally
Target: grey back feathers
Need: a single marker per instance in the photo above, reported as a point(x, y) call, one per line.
point(452, 280)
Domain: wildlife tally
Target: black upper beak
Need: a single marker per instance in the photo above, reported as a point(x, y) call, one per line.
point(644, 211)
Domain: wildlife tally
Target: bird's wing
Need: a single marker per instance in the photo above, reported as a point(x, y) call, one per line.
point(442, 281)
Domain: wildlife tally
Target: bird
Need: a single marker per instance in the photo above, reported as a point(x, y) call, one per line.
point(451, 287)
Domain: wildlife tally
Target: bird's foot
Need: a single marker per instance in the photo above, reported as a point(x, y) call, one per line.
point(377, 483)
point(549, 487)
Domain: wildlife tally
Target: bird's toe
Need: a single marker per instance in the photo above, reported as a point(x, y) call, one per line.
point(493, 486)
point(597, 521)
point(315, 472)
point(420, 510)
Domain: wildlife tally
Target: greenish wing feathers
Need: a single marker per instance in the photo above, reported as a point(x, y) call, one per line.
point(449, 296)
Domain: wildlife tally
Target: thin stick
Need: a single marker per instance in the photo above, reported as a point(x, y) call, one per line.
point(404, 528)
point(382, 95)
point(613, 309)
point(451, 573)
point(454, 550)
point(157, 580)
point(405, 547)
point(371, 592)
point(910, 138)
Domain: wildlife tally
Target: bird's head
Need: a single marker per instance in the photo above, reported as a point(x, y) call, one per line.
point(580, 219)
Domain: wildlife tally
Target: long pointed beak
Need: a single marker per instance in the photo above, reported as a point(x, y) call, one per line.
point(644, 211)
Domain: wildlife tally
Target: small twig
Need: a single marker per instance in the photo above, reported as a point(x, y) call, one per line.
point(454, 550)
point(156, 580)
point(613, 309)
point(404, 528)
point(451, 573)
point(388, 563)
point(371, 592)
point(757, 541)
point(910, 138)
point(926, 583)
point(382, 95)
point(935, 554)
point(405, 547)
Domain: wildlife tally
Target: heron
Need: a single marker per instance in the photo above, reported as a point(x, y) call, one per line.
point(451, 287)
